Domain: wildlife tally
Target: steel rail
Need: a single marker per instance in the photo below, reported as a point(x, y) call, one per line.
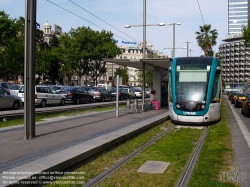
point(189, 168)
point(106, 173)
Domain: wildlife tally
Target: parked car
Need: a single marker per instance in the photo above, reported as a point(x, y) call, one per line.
point(76, 95)
point(44, 95)
point(233, 96)
point(9, 101)
point(14, 89)
point(238, 99)
point(131, 93)
point(138, 93)
point(245, 108)
point(147, 92)
point(58, 87)
point(122, 94)
point(230, 95)
point(6, 85)
point(101, 94)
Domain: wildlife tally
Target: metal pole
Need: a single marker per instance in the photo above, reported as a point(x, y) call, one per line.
point(187, 48)
point(173, 40)
point(117, 96)
point(29, 70)
point(144, 55)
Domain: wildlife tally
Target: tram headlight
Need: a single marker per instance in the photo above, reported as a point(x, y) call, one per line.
point(178, 106)
point(202, 106)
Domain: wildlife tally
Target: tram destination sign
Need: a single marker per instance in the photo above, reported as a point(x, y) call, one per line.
point(194, 67)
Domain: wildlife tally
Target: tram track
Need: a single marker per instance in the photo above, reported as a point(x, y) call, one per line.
point(192, 161)
point(56, 109)
point(113, 168)
point(183, 180)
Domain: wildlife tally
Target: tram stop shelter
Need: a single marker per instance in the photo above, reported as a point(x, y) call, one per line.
point(159, 68)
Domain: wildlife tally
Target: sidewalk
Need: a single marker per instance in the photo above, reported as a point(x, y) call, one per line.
point(241, 145)
point(63, 141)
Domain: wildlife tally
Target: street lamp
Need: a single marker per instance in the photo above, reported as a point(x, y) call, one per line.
point(144, 48)
point(173, 53)
point(188, 46)
point(172, 56)
point(157, 24)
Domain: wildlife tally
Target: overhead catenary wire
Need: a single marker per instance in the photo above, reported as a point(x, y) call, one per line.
point(101, 19)
point(200, 11)
point(81, 17)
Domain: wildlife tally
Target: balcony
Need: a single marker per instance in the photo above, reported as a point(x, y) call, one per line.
point(246, 73)
point(236, 69)
point(241, 73)
point(236, 64)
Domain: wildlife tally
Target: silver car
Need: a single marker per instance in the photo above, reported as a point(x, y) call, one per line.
point(44, 95)
point(9, 101)
point(130, 92)
point(14, 89)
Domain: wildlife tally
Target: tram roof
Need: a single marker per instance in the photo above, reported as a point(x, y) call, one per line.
point(150, 63)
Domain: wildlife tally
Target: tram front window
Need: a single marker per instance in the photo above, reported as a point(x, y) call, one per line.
point(191, 86)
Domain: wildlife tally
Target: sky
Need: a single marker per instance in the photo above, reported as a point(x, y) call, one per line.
point(113, 15)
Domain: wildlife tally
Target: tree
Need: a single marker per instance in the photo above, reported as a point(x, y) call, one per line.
point(102, 46)
point(148, 78)
point(68, 54)
point(246, 34)
point(122, 72)
point(206, 39)
point(11, 46)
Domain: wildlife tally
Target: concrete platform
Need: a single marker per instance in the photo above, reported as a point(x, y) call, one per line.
point(62, 142)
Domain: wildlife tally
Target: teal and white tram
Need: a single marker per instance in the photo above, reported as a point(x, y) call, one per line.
point(195, 90)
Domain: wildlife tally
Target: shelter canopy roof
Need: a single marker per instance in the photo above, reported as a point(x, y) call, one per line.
point(150, 63)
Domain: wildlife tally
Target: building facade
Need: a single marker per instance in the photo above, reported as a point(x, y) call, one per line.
point(128, 52)
point(235, 61)
point(237, 15)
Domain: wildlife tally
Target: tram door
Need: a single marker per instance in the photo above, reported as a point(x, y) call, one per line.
point(164, 93)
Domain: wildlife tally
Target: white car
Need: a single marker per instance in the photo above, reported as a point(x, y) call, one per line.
point(9, 101)
point(130, 92)
point(44, 95)
point(138, 93)
point(14, 89)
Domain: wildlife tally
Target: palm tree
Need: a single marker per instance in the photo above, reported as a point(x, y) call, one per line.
point(206, 39)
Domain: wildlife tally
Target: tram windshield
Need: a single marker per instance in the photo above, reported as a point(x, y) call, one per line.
point(191, 85)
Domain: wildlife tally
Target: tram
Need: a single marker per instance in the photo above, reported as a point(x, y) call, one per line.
point(195, 90)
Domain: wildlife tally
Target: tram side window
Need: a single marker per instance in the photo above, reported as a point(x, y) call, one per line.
point(170, 87)
point(216, 94)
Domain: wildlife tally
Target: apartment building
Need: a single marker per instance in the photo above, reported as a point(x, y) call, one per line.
point(235, 61)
